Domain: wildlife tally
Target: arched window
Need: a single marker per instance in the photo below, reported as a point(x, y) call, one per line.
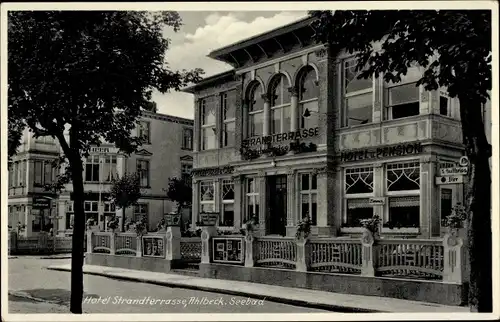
point(279, 99)
point(255, 110)
point(308, 97)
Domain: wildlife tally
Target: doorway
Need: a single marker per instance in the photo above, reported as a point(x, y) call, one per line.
point(277, 205)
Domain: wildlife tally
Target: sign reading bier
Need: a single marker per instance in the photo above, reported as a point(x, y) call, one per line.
point(282, 137)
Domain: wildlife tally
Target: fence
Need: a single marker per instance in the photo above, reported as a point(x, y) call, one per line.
point(42, 244)
point(155, 244)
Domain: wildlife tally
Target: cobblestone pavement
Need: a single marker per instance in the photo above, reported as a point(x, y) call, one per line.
point(29, 278)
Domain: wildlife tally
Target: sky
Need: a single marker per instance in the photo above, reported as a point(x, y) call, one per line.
point(204, 31)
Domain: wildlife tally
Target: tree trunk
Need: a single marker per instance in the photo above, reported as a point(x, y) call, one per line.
point(478, 205)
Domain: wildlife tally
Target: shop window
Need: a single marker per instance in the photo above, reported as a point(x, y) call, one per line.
point(308, 98)
point(402, 99)
point(208, 126)
point(358, 188)
point(143, 172)
point(227, 213)
point(141, 212)
point(279, 98)
point(446, 204)
point(358, 95)
point(252, 198)
point(403, 189)
point(144, 132)
point(228, 119)
point(255, 104)
point(69, 215)
point(309, 197)
point(187, 139)
point(207, 196)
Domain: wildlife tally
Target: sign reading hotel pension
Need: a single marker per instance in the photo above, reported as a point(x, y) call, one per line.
point(281, 137)
point(381, 152)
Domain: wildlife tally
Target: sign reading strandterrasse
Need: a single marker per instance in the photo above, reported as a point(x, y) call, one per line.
point(281, 137)
point(381, 152)
point(103, 150)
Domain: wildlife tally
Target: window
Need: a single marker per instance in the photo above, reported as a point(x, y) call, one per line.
point(279, 98)
point(141, 213)
point(309, 197)
point(110, 171)
point(358, 95)
point(444, 103)
point(44, 172)
point(207, 196)
point(308, 97)
point(22, 173)
point(358, 189)
point(92, 168)
point(70, 216)
point(143, 172)
point(91, 209)
point(186, 172)
point(11, 174)
point(15, 174)
point(208, 130)
point(143, 131)
point(252, 198)
point(403, 189)
point(227, 213)
point(228, 119)
point(446, 201)
point(187, 139)
point(402, 98)
point(255, 111)
point(109, 212)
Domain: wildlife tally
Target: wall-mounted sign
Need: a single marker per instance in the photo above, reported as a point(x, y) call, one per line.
point(208, 172)
point(464, 161)
point(209, 218)
point(40, 202)
point(377, 201)
point(454, 171)
point(228, 250)
point(103, 150)
point(281, 137)
point(381, 152)
point(153, 246)
point(449, 180)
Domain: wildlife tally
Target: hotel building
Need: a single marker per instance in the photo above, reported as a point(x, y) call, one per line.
point(291, 132)
point(166, 152)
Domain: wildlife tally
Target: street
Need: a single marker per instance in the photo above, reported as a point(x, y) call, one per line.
point(34, 289)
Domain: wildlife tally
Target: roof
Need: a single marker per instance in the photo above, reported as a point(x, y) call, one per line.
point(209, 80)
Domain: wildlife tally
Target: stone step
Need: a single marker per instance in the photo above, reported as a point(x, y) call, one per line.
point(186, 272)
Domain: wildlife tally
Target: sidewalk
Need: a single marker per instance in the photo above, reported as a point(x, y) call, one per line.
point(294, 296)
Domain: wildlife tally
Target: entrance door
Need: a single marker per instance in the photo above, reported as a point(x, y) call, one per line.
point(277, 202)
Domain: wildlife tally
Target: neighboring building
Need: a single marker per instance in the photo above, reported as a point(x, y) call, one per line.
point(166, 152)
point(291, 132)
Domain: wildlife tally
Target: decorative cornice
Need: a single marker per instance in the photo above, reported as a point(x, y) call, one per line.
point(261, 174)
point(186, 158)
point(144, 152)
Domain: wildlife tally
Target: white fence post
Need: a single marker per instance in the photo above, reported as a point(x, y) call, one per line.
point(89, 241)
point(250, 243)
point(369, 254)
point(112, 243)
point(206, 234)
point(138, 252)
point(173, 243)
point(453, 266)
point(303, 256)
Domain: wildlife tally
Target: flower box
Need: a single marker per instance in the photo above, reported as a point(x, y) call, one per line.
point(402, 230)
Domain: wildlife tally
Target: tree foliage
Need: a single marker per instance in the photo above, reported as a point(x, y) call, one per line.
point(179, 191)
point(454, 48)
point(125, 191)
point(83, 77)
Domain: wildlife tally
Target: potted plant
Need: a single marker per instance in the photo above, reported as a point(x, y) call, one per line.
point(113, 223)
point(90, 223)
point(20, 227)
point(140, 226)
point(372, 225)
point(161, 225)
point(303, 228)
point(250, 225)
point(456, 219)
